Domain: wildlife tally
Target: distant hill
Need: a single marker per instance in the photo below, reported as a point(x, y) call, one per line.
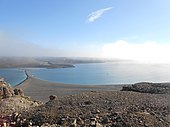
point(72, 60)
point(45, 62)
point(23, 62)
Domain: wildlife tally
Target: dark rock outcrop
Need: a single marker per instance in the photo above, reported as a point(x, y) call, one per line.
point(18, 92)
point(52, 97)
point(146, 87)
point(5, 90)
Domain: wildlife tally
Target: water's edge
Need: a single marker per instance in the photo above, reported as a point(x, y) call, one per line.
point(27, 76)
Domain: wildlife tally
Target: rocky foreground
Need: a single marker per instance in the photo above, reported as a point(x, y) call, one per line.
point(89, 109)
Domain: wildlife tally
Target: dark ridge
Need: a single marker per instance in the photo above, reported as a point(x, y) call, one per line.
point(146, 87)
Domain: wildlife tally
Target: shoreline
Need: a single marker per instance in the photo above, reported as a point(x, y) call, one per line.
point(27, 76)
point(39, 89)
point(30, 76)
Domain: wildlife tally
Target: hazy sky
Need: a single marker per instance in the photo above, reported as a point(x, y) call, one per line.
point(126, 29)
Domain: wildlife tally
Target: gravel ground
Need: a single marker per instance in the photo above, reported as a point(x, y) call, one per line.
point(105, 109)
point(139, 105)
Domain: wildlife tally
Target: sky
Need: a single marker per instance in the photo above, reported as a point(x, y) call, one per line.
point(123, 29)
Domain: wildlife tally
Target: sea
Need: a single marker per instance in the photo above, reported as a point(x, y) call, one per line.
point(94, 73)
point(13, 76)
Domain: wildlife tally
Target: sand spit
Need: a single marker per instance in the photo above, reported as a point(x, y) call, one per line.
point(39, 89)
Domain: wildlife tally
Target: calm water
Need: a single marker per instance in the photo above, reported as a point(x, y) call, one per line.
point(101, 73)
point(12, 76)
point(106, 73)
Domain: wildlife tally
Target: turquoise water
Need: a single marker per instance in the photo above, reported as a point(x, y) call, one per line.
point(100, 73)
point(106, 73)
point(12, 76)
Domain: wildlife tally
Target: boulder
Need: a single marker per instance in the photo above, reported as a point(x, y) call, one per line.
point(5, 90)
point(52, 97)
point(19, 92)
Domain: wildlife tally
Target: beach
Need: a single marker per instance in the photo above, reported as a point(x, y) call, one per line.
point(39, 89)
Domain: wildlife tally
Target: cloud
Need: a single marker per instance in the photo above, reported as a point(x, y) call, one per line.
point(144, 52)
point(97, 14)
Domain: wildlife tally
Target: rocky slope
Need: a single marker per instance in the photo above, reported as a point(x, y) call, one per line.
point(108, 109)
point(13, 102)
point(88, 109)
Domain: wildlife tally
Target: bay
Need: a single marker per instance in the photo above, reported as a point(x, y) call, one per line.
point(94, 74)
point(13, 76)
point(106, 73)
